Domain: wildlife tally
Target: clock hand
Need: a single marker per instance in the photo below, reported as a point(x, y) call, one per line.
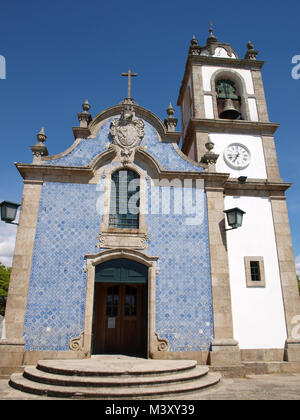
point(236, 157)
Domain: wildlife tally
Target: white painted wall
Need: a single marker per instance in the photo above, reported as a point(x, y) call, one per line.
point(253, 109)
point(258, 313)
point(209, 108)
point(257, 167)
point(208, 71)
point(222, 53)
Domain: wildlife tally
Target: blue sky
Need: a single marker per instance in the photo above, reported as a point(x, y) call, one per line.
point(60, 53)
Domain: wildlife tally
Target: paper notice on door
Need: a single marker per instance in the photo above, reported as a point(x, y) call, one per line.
point(111, 323)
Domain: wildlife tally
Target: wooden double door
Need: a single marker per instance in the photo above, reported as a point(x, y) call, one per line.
point(121, 309)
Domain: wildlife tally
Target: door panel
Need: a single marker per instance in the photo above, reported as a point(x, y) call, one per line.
point(119, 319)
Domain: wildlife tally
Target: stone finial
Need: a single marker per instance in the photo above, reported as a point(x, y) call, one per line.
point(209, 145)
point(86, 106)
point(251, 53)
point(41, 136)
point(171, 121)
point(211, 42)
point(39, 149)
point(194, 41)
point(212, 37)
point(210, 158)
point(84, 117)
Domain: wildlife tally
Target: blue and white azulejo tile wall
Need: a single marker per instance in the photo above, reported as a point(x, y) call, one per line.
point(68, 225)
point(67, 230)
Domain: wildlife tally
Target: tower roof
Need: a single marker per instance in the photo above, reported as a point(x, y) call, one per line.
point(213, 48)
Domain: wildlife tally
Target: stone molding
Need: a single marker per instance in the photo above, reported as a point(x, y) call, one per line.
point(117, 240)
point(91, 262)
point(77, 344)
point(249, 281)
point(233, 126)
point(118, 237)
point(161, 344)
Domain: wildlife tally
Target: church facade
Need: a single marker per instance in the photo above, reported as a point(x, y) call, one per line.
point(123, 245)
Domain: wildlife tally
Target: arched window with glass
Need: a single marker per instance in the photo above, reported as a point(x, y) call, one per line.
point(124, 200)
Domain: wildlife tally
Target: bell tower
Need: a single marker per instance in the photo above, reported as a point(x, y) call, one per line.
point(226, 128)
point(223, 102)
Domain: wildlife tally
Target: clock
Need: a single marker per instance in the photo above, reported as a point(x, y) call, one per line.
point(237, 156)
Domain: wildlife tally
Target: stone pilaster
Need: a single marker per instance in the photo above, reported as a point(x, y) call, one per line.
point(20, 276)
point(260, 96)
point(288, 276)
point(271, 158)
point(198, 94)
point(225, 350)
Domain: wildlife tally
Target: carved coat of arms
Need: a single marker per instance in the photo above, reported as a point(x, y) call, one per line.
point(127, 133)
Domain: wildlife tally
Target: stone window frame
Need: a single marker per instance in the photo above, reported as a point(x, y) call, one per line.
point(249, 281)
point(111, 237)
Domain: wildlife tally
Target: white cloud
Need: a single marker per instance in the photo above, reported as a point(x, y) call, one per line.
point(298, 265)
point(7, 243)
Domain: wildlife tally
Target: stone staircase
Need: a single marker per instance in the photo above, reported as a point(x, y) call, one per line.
point(114, 377)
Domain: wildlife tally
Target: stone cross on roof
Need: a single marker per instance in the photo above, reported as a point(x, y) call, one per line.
point(129, 75)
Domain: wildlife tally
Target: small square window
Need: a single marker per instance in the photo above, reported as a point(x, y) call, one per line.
point(255, 272)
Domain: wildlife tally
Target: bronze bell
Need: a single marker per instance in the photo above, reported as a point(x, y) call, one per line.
point(230, 111)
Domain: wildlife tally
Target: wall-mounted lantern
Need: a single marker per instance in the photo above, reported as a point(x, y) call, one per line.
point(234, 218)
point(9, 212)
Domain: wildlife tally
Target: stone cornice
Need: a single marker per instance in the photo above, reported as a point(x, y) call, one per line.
point(234, 126)
point(229, 62)
point(254, 186)
point(83, 175)
point(70, 174)
point(81, 132)
point(31, 172)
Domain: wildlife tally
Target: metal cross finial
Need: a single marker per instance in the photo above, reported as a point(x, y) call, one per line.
point(211, 27)
point(129, 75)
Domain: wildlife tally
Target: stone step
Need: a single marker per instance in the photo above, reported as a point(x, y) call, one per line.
point(35, 374)
point(18, 381)
point(115, 366)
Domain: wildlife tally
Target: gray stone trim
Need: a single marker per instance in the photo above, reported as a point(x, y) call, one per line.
point(239, 80)
point(270, 156)
point(22, 262)
point(288, 276)
point(233, 126)
point(249, 282)
point(149, 261)
point(257, 188)
point(112, 238)
point(260, 95)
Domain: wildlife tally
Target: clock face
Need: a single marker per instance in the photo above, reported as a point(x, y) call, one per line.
point(237, 156)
